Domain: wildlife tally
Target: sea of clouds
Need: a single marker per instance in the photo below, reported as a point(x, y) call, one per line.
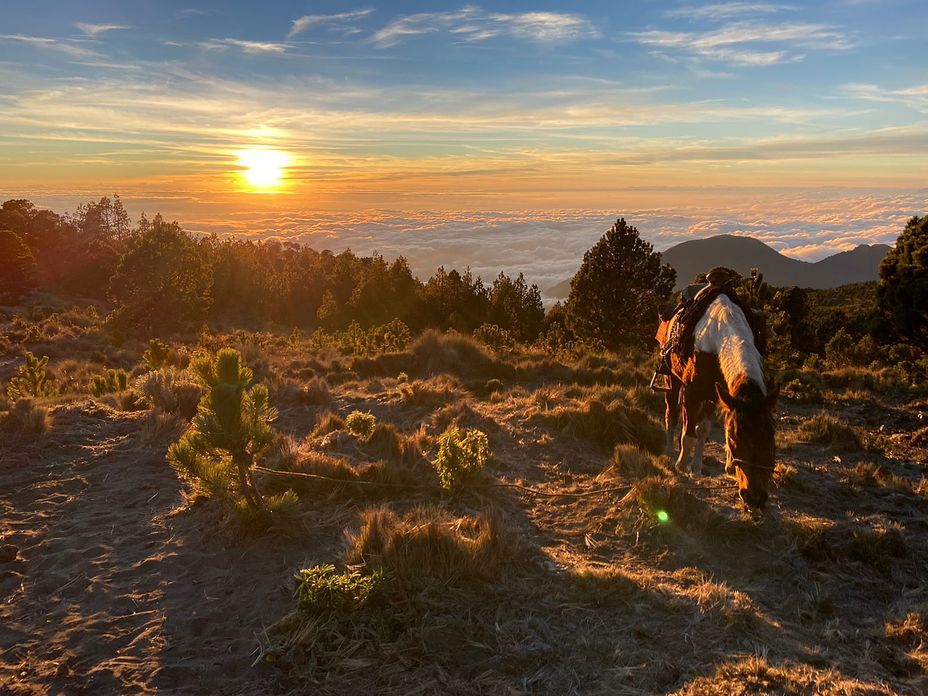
point(548, 245)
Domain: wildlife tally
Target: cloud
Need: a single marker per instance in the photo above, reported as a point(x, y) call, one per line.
point(548, 245)
point(306, 21)
point(69, 47)
point(92, 30)
point(750, 43)
point(915, 96)
point(726, 10)
point(472, 23)
point(250, 47)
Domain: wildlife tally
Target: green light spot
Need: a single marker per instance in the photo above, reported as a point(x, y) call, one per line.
point(662, 516)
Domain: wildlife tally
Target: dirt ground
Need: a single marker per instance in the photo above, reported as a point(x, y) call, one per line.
point(112, 581)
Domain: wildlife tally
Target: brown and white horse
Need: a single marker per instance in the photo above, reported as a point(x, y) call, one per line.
point(726, 367)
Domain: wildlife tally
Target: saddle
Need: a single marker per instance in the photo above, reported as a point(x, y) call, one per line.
point(681, 339)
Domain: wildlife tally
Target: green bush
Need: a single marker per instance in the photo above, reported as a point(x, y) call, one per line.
point(31, 379)
point(462, 454)
point(320, 590)
point(360, 424)
point(157, 355)
point(110, 382)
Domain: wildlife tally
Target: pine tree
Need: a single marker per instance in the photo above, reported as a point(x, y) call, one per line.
point(231, 427)
point(616, 294)
point(904, 283)
point(31, 380)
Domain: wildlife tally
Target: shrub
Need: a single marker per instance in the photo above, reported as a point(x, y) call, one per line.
point(462, 454)
point(320, 589)
point(31, 379)
point(157, 355)
point(232, 426)
point(110, 382)
point(25, 418)
point(495, 337)
point(828, 430)
point(360, 424)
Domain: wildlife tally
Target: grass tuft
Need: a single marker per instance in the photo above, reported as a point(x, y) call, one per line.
point(828, 430)
point(429, 543)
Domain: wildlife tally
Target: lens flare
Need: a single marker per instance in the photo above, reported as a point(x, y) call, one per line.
point(263, 168)
point(662, 516)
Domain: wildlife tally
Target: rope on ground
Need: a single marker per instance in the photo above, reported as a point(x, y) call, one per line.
point(413, 486)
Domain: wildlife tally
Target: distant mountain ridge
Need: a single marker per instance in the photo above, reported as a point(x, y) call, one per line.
point(858, 265)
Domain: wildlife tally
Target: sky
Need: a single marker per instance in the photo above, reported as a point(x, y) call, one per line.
point(503, 135)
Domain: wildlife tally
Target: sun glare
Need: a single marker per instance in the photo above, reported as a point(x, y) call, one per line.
point(263, 168)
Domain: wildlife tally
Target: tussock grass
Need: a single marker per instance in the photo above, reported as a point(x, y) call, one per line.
point(822, 540)
point(868, 475)
point(170, 391)
point(755, 675)
point(26, 417)
point(657, 494)
point(610, 425)
point(436, 353)
point(828, 430)
point(328, 422)
point(314, 392)
point(604, 587)
point(632, 463)
point(431, 393)
point(428, 542)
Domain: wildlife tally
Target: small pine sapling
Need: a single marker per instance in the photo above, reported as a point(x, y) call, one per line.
point(231, 427)
point(157, 355)
point(31, 379)
point(110, 382)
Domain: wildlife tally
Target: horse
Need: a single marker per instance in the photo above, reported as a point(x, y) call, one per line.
point(726, 367)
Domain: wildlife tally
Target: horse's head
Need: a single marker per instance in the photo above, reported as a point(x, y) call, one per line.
point(750, 438)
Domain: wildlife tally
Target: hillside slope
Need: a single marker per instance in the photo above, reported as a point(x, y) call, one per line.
point(744, 253)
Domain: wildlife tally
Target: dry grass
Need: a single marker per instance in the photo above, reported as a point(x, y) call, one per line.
point(610, 425)
point(428, 542)
point(26, 417)
point(578, 593)
point(828, 430)
point(755, 676)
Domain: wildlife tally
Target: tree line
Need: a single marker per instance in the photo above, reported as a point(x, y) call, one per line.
point(159, 279)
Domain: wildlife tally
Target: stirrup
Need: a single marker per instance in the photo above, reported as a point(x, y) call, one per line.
point(660, 382)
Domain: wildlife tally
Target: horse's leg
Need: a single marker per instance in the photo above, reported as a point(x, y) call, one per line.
point(671, 414)
point(702, 433)
point(687, 435)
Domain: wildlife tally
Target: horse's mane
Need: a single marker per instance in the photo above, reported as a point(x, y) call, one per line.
point(748, 392)
point(728, 334)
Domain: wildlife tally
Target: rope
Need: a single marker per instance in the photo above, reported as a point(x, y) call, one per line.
point(413, 486)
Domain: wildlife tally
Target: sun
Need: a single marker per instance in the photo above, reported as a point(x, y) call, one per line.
point(263, 168)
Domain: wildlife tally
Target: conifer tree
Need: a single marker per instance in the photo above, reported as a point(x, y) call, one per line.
point(31, 380)
point(231, 427)
point(616, 294)
point(904, 283)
